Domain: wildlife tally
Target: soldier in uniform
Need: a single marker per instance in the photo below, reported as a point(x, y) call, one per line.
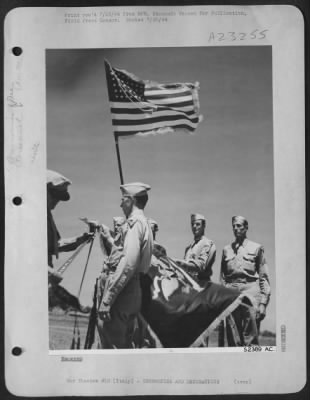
point(158, 250)
point(117, 224)
point(121, 300)
point(57, 190)
point(200, 254)
point(179, 309)
point(244, 268)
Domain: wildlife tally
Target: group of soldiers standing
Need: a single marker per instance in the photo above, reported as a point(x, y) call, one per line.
point(128, 256)
point(243, 265)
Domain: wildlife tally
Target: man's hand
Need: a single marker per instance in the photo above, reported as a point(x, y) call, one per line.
point(261, 312)
point(105, 233)
point(183, 264)
point(104, 312)
point(93, 225)
point(87, 236)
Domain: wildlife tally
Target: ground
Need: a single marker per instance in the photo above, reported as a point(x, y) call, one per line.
point(61, 332)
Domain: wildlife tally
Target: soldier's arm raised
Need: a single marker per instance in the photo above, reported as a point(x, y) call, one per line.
point(70, 244)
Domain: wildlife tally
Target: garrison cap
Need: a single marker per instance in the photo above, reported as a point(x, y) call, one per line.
point(56, 179)
point(240, 219)
point(195, 217)
point(58, 185)
point(134, 189)
point(118, 220)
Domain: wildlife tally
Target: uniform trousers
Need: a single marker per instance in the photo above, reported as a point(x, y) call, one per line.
point(119, 331)
point(252, 289)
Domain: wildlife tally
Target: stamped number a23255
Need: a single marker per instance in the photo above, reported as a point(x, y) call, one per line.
point(256, 34)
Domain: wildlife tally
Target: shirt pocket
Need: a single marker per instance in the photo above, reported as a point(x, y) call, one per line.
point(249, 261)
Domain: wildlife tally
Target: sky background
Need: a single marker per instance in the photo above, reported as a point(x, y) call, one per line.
point(224, 169)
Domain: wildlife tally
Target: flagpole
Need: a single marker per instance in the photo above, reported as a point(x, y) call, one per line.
point(118, 158)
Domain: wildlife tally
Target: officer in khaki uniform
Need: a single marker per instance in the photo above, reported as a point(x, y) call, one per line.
point(121, 300)
point(244, 268)
point(200, 254)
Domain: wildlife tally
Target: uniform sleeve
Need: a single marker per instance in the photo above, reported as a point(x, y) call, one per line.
point(185, 252)
point(127, 266)
point(263, 273)
point(199, 263)
point(68, 244)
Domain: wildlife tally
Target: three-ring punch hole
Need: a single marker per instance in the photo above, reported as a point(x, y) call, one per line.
point(16, 351)
point(17, 51)
point(17, 200)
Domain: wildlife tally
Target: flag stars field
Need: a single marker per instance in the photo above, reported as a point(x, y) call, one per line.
point(171, 107)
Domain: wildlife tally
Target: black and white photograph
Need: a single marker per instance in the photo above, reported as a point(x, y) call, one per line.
point(154, 200)
point(194, 141)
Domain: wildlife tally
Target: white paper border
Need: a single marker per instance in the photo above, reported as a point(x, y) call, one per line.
point(35, 372)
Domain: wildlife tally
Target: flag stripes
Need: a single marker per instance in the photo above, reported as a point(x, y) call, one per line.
point(148, 107)
point(157, 130)
point(151, 121)
point(143, 117)
point(155, 125)
point(142, 107)
point(167, 97)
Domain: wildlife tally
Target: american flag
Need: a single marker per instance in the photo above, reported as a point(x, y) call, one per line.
point(143, 107)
